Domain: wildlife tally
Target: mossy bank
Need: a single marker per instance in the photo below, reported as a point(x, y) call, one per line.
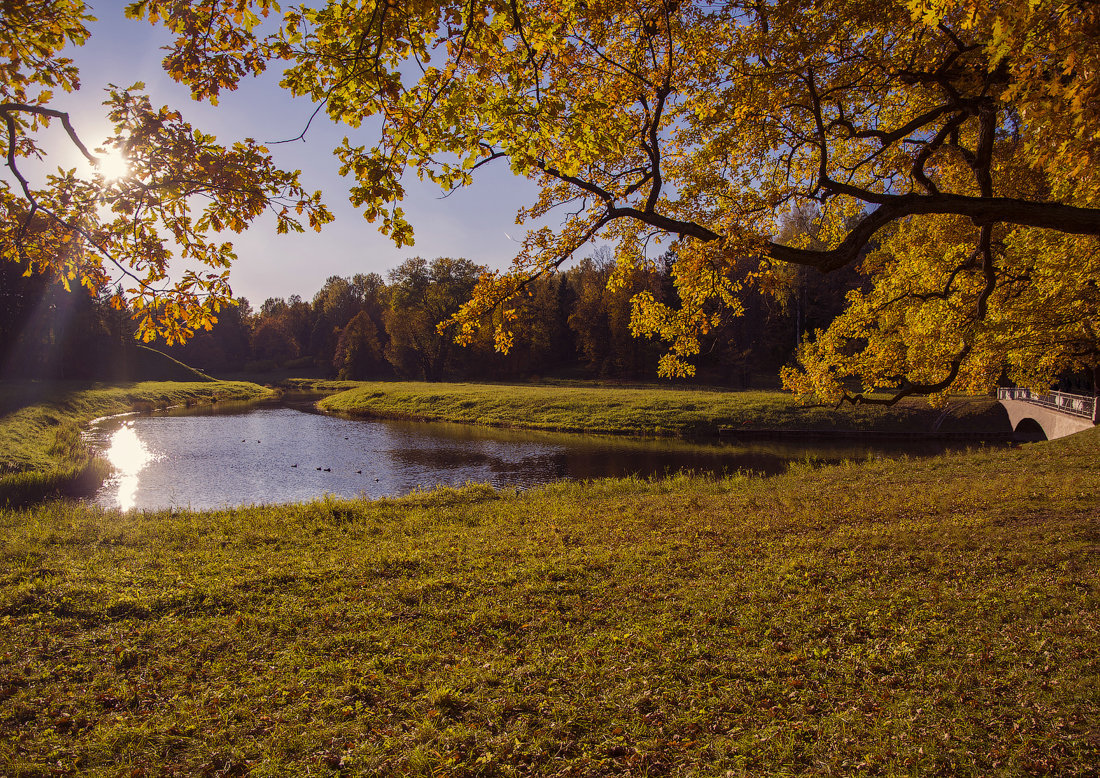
point(932, 617)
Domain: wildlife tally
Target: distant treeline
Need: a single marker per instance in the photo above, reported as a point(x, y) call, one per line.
point(366, 327)
point(47, 331)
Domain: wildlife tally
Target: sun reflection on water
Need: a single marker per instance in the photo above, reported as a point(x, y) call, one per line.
point(128, 455)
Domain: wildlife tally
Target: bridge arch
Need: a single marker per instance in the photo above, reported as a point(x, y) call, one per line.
point(1028, 429)
point(1046, 417)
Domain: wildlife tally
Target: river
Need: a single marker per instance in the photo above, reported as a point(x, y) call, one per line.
point(234, 456)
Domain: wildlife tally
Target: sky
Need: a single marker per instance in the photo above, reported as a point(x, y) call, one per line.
point(477, 222)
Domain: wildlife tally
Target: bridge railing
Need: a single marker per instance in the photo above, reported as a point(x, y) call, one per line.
point(1072, 404)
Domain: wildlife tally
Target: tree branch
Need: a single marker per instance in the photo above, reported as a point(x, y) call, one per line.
point(982, 211)
point(908, 387)
point(7, 110)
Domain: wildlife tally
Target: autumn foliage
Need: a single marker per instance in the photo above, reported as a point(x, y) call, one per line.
point(948, 149)
point(175, 191)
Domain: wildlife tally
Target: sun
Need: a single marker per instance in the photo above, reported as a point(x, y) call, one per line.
point(113, 165)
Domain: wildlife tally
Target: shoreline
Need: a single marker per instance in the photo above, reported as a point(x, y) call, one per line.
point(659, 412)
point(44, 442)
point(765, 434)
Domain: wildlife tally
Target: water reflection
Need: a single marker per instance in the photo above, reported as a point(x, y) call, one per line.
point(129, 456)
point(281, 454)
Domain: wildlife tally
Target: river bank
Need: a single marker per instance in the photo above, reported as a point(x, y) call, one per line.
point(646, 411)
point(893, 617)
point(41, 450)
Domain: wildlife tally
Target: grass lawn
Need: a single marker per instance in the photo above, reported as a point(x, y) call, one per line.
point(932, 617)
point(643, 411)
point(41, 451)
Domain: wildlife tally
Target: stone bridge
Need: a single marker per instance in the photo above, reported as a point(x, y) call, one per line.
point(1048, 416)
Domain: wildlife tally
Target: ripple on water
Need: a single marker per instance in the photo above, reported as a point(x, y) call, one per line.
point(283, 454)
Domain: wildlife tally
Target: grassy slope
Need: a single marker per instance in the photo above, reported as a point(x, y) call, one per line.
point(138, 362)
point(645, 411)
point(930, 617)
point(40, 422)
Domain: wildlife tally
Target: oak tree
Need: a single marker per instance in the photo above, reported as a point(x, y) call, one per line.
point(959, 137)
point(957, 140)
point(949, 147)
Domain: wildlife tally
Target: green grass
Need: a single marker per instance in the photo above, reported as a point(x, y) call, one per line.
point(642, 411)
point(931, 617)
point(41, 450)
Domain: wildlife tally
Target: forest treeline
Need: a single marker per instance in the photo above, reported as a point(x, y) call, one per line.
point(572, 323)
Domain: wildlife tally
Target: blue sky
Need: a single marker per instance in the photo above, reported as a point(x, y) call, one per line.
point(474, 223)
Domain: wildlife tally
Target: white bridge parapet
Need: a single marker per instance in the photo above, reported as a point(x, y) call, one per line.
point(1073, 404)
point(1058, 413)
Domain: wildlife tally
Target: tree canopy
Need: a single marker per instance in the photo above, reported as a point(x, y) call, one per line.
point(950, 149)
point(160, 193)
